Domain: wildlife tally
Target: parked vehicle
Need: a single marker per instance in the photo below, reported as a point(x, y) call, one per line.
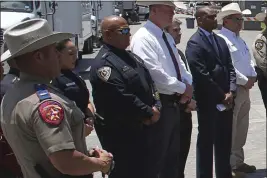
point(57, 14)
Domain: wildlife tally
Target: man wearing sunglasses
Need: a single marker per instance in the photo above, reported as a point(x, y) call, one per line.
point(232, 18)
point(125, 97)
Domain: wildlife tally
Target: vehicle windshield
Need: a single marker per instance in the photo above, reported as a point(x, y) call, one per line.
point(17, 6)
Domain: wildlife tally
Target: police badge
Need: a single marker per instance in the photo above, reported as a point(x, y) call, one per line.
point(259, 45)
point(104, 73)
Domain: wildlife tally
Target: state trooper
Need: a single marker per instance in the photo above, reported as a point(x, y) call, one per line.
point(232, 18)
point(123, 96)
point(44, 129)
point(259, 49)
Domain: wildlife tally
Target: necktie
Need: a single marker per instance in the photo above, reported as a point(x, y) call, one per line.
point(175, 63)
point(213, 43)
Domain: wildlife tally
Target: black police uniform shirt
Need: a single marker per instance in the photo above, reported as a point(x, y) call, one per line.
point(74, 88)
point(116, 98)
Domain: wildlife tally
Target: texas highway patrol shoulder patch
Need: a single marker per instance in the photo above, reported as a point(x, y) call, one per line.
point(259, 45)
point(104, 73)
point(51, 112)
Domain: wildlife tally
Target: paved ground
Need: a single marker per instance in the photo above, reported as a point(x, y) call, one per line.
point(255, 148)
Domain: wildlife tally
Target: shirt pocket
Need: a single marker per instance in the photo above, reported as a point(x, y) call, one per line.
point(131, 76)
point(235, 54)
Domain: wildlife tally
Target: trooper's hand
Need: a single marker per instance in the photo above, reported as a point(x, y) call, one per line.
point(106, 158)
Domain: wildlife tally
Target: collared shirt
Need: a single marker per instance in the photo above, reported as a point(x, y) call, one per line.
point(148, 43)
point(241, 57)
point(26, 124)
point(207, 34)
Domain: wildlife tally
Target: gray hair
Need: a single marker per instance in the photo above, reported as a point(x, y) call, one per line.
point(176, 18)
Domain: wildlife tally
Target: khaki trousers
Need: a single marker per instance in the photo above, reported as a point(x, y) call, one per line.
point(240, 126)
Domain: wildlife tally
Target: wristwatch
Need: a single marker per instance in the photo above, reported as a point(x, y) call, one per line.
point(111, 167)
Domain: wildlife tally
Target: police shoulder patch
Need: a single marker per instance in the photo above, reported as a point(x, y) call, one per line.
point(259, 45)
point(104, 73)
point(51, 112)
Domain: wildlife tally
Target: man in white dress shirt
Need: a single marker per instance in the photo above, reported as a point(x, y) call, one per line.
point(232, 18)
point(158, 50)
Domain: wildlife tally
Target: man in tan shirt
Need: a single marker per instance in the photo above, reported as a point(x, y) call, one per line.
point(259, 49)
point(44, 129)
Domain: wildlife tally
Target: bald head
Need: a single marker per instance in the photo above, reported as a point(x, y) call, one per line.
point(112, 22)
point(116, 32)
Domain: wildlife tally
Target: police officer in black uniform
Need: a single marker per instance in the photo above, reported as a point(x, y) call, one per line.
point(70, 83)
point(126, 101)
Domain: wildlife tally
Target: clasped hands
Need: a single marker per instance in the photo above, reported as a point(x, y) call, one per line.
point(105, 158)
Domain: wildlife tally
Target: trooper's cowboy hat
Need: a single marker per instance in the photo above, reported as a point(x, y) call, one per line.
point(156, 2)
point(28, 36)
point(261, 16)
point(231, 9)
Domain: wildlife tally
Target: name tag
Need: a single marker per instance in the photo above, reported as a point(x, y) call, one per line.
point(70, 84)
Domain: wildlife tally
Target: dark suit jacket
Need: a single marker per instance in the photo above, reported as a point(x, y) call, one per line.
point(213, 74)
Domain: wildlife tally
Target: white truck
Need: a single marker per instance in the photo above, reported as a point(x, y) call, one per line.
point(65, 16)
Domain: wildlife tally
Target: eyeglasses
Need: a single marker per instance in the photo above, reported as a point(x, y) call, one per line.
point(124, 31)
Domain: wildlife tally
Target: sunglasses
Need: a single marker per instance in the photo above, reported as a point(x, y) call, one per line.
point(237, 19)
point(124, 31)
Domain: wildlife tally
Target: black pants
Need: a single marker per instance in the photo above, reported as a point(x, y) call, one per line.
point(262, 82)
point(170, 135)
point(215, 131)
point(185, 140)
point(136, 152)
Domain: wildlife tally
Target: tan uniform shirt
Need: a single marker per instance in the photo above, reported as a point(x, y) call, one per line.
point(30, 135)
point(259, 52)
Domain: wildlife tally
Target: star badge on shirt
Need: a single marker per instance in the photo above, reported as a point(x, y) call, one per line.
point(51, 112)
point(104, 73)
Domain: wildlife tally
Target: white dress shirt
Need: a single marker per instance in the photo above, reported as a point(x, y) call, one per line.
point(148, 43)
point(241, 57)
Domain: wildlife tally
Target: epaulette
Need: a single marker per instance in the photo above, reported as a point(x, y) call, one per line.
point(42, 92)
